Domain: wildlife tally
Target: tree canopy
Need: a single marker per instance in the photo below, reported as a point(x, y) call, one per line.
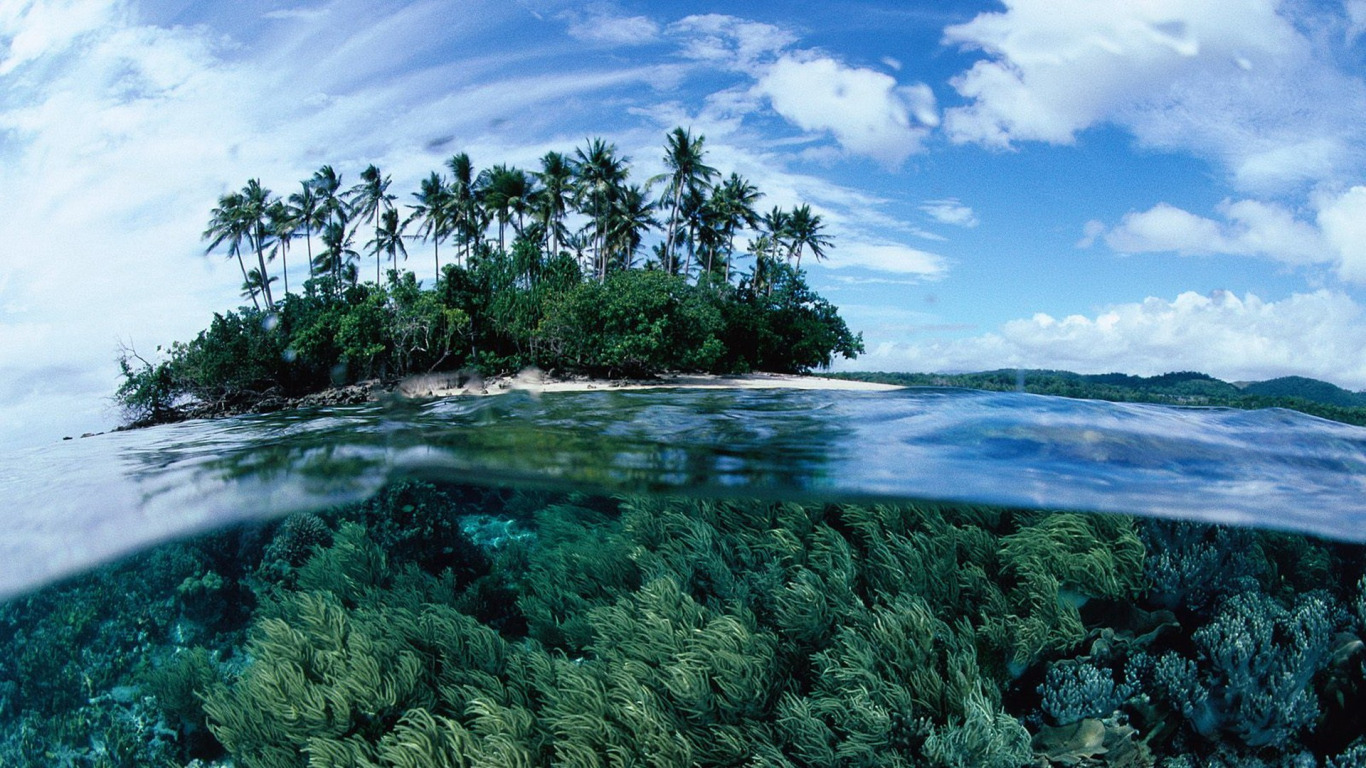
point(549, 268)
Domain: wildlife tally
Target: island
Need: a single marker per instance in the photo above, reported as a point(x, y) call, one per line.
point(543, 270)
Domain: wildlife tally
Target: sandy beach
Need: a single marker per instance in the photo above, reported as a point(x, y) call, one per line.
point(451, 384)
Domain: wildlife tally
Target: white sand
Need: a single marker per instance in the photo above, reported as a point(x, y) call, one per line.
point(448, 384)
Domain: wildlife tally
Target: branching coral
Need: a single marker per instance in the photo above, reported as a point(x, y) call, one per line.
point(1254, 667)
point(1075, 690)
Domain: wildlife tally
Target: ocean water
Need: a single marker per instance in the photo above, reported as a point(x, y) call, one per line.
point(751, 577)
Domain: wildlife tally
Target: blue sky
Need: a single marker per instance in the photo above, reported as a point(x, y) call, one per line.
point(1096, 185)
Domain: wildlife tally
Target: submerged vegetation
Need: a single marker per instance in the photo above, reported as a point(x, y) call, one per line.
point(460, 626)
point(543, 268)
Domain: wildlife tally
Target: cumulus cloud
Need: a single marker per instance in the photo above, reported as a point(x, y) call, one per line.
point(1337, 234)
point(1235, 81)
point(1343, 221)
point(1248, 228)
point(866, 111)
point(1320, 334)
point(950, 211)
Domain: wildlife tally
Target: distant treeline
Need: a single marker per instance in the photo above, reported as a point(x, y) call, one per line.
point(521, 287)
point(1311, 396)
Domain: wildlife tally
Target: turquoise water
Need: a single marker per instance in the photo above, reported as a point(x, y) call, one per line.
point(749, 577)
point(1272, 468)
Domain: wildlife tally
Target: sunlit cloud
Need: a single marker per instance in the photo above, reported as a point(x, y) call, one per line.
point(1319, 334)
point(1238, 83)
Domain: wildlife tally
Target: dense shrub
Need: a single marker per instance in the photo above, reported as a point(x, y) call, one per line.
point(498, 313)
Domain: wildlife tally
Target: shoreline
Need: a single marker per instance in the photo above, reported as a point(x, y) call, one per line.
point(536, 382)
point(466, 384)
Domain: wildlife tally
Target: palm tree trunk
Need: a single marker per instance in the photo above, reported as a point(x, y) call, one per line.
point(673, 226)
point(261, 260)
point(245, 280)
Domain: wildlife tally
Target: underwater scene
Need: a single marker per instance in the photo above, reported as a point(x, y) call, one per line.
point(913, 578)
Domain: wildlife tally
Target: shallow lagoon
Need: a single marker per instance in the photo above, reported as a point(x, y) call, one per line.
point(543, 594)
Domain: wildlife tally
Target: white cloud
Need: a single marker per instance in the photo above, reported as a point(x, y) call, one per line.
point(121, 136)
point(306, 14)
point(1249, 228)
point(1252, 228)
point(601, 25)
point(1343, 221)
point(889, 257)
point(1234, 81)
point(950, 211)
point(1320, 334)
point(866, 111)
point(1356, 19)
point(729, 40)
point(34, 29)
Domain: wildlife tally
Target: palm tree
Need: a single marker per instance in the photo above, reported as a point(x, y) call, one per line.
point(281, 224)
point(711, 234)
point(337, 251)
point(734, 202)
point(694, 218)
point(227, 226)
point(253, 284)
point(600, 176)
point(436, 208)
point(326, 184)
point(255, 201)
point(775, 228)
point(631, 216)
point(389, 237)
point(552, 203)
point(806, 231)
point(307, 213)
point(505, 191)
point(687, 172)
point(462, 194)
point(368, 199)
point(761, 248)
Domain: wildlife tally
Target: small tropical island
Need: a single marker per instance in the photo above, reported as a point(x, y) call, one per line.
point(518, 285)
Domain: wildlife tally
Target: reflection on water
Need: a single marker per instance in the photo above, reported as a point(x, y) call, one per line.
point(78, 502)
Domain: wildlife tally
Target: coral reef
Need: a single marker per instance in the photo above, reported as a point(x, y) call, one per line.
point(688, 631)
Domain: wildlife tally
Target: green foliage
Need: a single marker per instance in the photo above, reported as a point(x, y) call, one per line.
point(634, 323)
point(788, 328)
point(148, 392)
point(179, 684)
point(565, 303)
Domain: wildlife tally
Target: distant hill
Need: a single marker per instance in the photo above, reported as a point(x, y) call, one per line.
point(1318, 398)
point(1308, 389)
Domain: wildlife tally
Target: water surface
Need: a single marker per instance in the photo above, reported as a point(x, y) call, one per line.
point(79, 502)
